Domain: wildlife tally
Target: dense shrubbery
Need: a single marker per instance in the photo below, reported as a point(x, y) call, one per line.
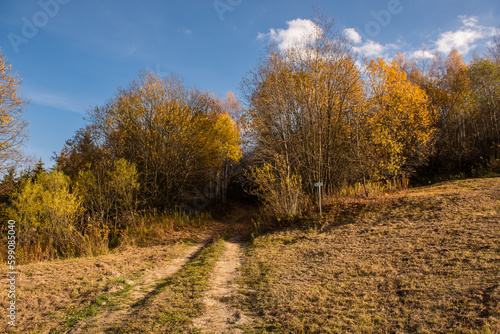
point(46, 211)
point(279, 188)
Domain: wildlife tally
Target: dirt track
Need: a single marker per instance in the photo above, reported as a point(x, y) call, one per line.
point(220, 317)
point(139, 291)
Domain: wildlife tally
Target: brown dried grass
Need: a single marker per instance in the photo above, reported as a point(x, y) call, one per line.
point(426, 260)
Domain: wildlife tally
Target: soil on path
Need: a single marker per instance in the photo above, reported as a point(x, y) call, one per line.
point(220, 316)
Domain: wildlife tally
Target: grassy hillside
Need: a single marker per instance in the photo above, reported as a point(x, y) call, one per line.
point(425, 260)
point(422, 261)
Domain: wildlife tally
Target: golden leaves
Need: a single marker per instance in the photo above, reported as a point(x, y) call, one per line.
point(400, 118)
point(170, 131)
point(12, 126)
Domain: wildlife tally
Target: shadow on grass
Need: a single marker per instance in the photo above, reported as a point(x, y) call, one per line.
point(169, 280)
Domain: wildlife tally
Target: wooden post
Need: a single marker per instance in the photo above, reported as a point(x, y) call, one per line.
point(319, 185)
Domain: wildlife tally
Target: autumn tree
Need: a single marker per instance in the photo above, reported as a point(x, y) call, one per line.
point(457, 109)
point(280, 190)
point(301, 100)
point(447, 84)
point(12, 125)
point(485, 112)
point(494, 51)
point(177, 137)
point(465, 100)
point(415, 71)
point(109, 196)
point(47, 212)
point(228, 131)
point(400, 120)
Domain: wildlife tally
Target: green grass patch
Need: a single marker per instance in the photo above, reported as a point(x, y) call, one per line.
point(101, 302)
point(95, 305)
point(85, 312)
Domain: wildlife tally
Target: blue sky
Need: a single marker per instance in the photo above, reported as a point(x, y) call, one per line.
point(73, 54)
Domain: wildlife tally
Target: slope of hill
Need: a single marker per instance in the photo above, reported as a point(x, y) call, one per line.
point(422, 261)
point(426, 260)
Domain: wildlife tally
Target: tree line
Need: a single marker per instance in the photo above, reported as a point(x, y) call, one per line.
point(143, 157)
point(318, 112)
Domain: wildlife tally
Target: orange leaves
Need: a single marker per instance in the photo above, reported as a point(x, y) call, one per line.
point(12, 125)
point(400, 119)
point(174, 134)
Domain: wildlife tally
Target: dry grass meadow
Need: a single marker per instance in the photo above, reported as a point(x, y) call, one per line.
point(426, 260)
point(422, 261)
point(55, 296)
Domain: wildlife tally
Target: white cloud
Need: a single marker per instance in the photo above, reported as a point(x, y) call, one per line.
point(373, 49)
point(353, 35)
point(422, 54)
point(461, 40)
point(370, 49)
point(468, 21)
point(55, 100)
point(300, 30)
point(465, 38)
point(297, 32)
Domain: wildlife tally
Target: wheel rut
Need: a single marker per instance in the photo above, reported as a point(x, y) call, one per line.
point(220, 316)
point(141, 290)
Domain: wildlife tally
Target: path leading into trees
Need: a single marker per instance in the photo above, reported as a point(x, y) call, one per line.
point(219, 316)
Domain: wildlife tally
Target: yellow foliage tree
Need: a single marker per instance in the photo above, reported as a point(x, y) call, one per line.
point(400, 120)
point(178, 138)
point(302, 104)
point(12, 125)
point(278, 188)
point(47, 212)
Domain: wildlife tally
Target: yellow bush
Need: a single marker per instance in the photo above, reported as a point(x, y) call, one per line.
point(279, 188)
point(47, 211)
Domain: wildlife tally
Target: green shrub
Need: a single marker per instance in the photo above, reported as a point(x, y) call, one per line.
point(110, 196)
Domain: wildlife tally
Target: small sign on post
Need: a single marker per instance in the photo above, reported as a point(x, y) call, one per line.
point(319, 185)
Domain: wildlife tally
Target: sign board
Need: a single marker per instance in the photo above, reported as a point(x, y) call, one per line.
point(319, 184)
